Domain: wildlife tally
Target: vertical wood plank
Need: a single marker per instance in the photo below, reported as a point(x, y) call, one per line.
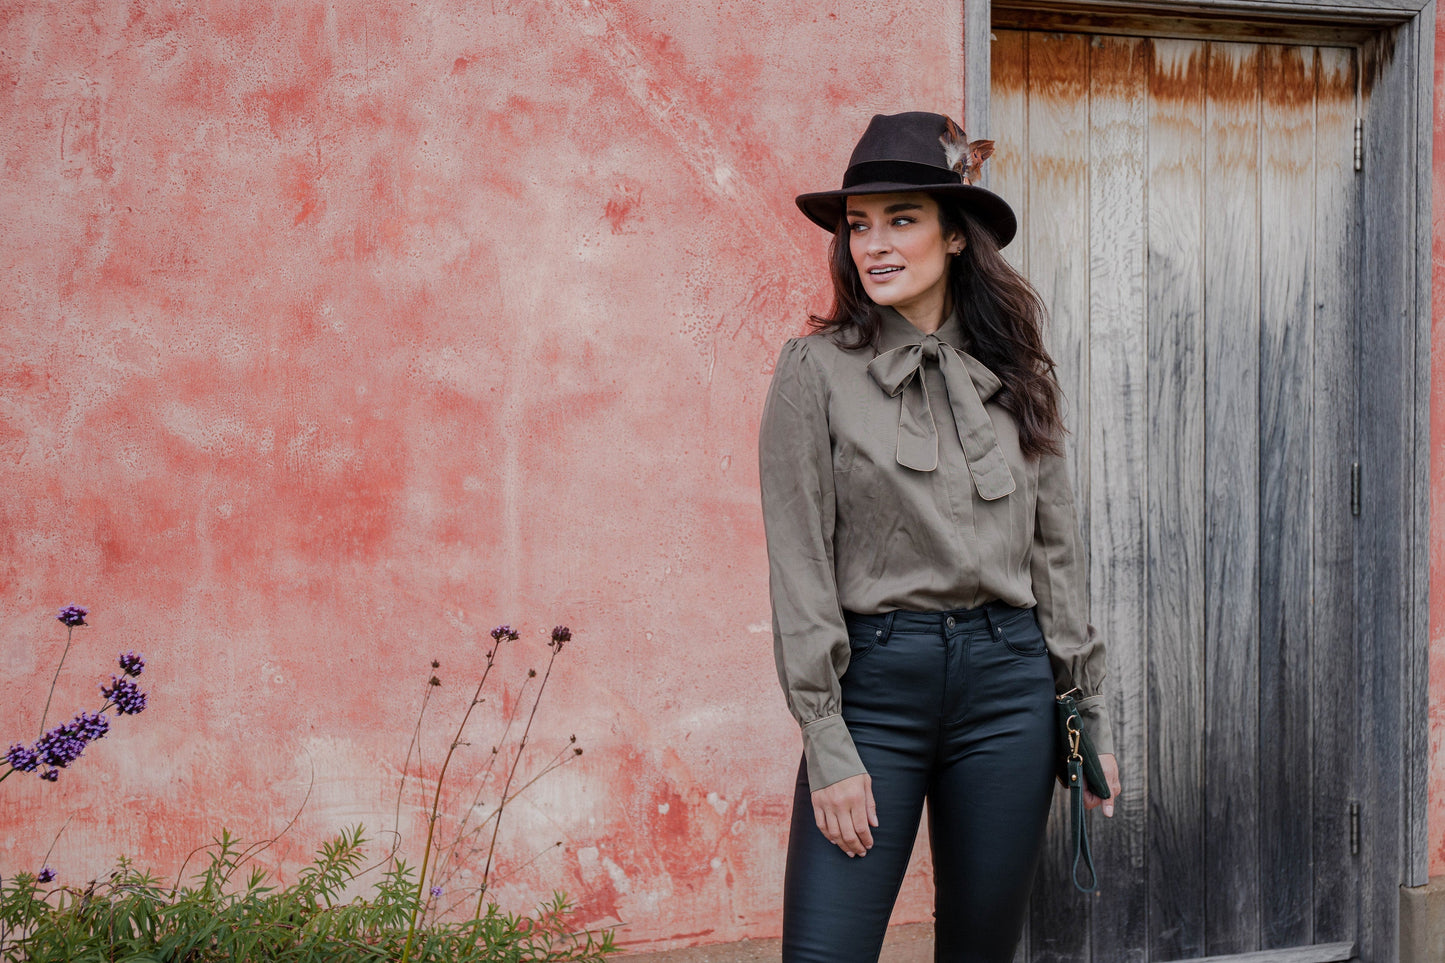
point(1231, 452)
point(1118, 88)
point(1415, 703)
point(1384, 621)
point(1176, 498)
point(1334, 681)
point(1057, 242)
point(1286, 362)
point(1008, 116)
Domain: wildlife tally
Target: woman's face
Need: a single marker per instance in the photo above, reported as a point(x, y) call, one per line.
point(901, 254)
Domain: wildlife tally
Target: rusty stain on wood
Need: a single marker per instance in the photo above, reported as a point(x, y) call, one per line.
point(1337, 73)
point(1376, 55)
point(1178, 71)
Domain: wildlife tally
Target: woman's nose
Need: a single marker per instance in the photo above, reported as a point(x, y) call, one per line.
point(877, 242)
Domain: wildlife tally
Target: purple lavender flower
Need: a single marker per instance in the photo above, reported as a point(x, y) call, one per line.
point(22, 758)
point(132, 663)
point(73, 615)
point(45, 875)
point(436, 891)
point(505, 633)
point(50, 775)
point(91, 726)
point(60, 746)
point(561, 634)
point(125, 695)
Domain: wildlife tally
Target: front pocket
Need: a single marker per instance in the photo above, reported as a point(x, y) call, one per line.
point(1022, 634)
point(861, 641)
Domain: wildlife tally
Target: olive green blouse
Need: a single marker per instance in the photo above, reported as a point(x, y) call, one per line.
point(889, 481)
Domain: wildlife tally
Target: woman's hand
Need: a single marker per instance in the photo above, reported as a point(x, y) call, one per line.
point(845, 813)
point(1108, 763)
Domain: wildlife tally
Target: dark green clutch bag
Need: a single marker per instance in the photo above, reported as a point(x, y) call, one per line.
point(1079, 767)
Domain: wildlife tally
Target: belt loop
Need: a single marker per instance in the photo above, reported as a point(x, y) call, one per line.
point(887, 631)
point(988, 617)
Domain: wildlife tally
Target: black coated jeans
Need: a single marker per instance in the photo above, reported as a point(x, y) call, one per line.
point(958, 708)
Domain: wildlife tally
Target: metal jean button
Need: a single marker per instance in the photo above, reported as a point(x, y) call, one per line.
point(949, 622)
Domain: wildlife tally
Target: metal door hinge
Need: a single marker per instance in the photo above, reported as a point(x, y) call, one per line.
point(1354, 829)
point(1359, 143)
point(1355, 489)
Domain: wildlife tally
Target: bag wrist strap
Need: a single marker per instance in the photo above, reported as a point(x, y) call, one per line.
point(1080, 827)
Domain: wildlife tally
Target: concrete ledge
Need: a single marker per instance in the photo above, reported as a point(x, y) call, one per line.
point(1422, 922)
point(910, 943)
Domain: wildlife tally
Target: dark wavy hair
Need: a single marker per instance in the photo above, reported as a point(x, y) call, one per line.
point(1002, 318)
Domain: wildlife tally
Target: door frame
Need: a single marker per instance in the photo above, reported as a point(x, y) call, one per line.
point(1396, 39)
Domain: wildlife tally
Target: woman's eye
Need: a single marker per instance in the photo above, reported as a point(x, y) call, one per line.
point(856, 226)
point(901, 220)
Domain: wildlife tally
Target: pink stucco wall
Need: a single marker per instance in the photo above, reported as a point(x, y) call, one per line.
point(336, 334)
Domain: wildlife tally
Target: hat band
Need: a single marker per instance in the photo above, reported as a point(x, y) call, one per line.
point(899, 172)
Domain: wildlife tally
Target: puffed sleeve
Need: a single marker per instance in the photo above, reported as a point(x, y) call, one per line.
point(810, 639)
point(1057, 568)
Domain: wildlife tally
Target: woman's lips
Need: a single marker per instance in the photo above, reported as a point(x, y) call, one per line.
point(884, 272)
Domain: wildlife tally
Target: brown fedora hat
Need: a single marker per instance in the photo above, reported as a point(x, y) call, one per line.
point(906, 152)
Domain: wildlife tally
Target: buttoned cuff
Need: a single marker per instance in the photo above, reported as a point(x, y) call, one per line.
point(1095, 713)
point(832, 757)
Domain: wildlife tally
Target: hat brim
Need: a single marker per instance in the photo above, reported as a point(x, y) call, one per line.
point(825, 208)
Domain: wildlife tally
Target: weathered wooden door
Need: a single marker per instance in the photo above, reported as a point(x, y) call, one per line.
point(1188, 215)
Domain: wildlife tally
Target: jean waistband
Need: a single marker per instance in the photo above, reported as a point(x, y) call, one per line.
point(989, 614)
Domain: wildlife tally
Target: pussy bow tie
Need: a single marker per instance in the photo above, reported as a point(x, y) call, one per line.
point(899, 371)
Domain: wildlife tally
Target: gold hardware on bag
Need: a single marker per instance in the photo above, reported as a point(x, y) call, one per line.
point(1082, 772)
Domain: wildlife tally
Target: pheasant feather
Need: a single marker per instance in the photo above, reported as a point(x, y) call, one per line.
point(961, 154)
point(955, 146)
point(978, 152)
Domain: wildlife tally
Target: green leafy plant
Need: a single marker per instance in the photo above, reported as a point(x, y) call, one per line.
point(231, 910)
point(220, 918)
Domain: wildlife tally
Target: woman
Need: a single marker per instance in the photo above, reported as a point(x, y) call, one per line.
point(926, 569)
